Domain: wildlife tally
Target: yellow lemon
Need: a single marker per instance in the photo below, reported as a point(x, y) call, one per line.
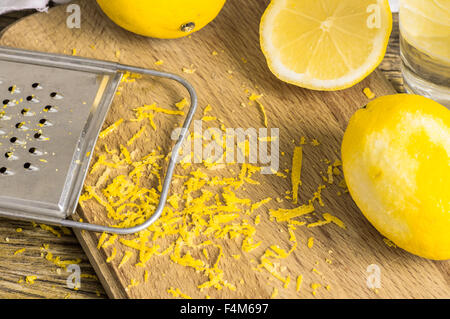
point(165, 19)
point(396, 161)
point(325, 44)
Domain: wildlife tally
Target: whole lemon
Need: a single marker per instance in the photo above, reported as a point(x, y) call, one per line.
point(165, 19)
point(396, 162)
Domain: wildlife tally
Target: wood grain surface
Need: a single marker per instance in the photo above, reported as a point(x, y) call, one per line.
point(221, 81)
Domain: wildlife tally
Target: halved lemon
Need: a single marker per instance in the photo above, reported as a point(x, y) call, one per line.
point(325, 44)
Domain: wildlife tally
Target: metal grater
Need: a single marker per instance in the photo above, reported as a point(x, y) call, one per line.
point(52, 108)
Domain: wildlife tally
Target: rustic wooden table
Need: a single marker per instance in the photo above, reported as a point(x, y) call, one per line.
point(51, 279)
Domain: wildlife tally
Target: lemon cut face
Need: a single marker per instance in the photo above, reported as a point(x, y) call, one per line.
point(325, 44)
point(396, 161)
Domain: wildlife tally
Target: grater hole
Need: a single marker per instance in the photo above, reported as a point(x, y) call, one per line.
point(21, 126)
point(3, 170)
point(32, 150)
point(40, 137)
point(14, 89)
point(28, 166)
point(36, 86)
point(6, 102)
point(32, 98)
point(26, 112)
point(8, 154)
point(56, 95)
point(13, 140)
point(49, 108)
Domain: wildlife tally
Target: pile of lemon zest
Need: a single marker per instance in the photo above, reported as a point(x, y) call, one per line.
point(205, 253)
point(50, 229)
point(61, 263)
point(248, 245)
point(274, 293)
point(310, 242)
point(302, 140)
point(209, 118)
point(263, 111)
point(207, 109)
point(237, 257)
point(315, 142)
point(30, 279)
point(153, 107)
point(110, 128)
point(316, 271)
point(188, 71)
point(112, 256)
point(314, 287)
point(330, 174)
point(299, 283)
point(286, 282)
point(181, 104)
point(173, 200)
point(270, 267)
point(257, 205)
point(19, 251)
point(110, 241)
point(133, 283)
point(255, 97)
point(389, 243)
point(136, 136)
point(159, 62)
point(146, 275)
point(257, 219)
point(177, 293)
point(65, 230)
point(318, 195)
point(368, 92)
point(283, 215)
point(296, 172)
point(333, 219)
point(102, 239)
point(128, 254)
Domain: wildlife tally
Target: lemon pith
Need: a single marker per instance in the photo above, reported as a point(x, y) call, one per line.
point(162, 19)
point(325, 44)
point(396, 162)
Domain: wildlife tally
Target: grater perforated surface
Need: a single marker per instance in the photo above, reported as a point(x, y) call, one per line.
point(45, 113)
point(52, 109)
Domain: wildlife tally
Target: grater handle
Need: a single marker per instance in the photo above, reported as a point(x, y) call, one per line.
point(170, 168)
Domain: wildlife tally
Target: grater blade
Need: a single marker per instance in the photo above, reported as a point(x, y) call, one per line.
point(52, 108)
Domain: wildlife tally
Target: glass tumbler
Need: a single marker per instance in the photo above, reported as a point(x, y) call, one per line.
point(425, 48)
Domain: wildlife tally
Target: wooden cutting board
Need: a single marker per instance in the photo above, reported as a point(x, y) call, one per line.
point(229, 67)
